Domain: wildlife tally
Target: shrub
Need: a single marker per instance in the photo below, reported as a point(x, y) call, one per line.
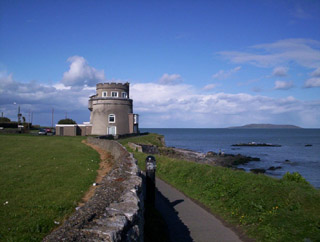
point(67, 121)
point(12, 125)
point(295, 176)
point(4, 120)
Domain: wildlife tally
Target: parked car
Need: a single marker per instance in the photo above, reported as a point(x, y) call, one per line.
point(42, 132)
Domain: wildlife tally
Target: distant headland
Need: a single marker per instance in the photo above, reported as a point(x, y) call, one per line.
point(266, 126)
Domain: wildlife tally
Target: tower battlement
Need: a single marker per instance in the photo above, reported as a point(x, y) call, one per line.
point(113, 85)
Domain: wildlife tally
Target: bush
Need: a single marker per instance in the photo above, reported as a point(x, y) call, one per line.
point(12, 125)
point(295, 176)
point(67, 121)
point(4, 120)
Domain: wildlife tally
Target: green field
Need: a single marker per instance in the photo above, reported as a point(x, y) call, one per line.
point(42, 179)
point(265, 208)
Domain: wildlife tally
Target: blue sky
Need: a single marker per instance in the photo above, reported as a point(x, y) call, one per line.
point(190, 63)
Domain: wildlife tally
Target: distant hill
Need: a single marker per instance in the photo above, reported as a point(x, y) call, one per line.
point(266, 126)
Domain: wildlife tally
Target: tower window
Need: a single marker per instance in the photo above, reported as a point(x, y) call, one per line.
point(112, 118)
point(104, 94)
point(124, 95)
point(135, 119)
point(114, 94)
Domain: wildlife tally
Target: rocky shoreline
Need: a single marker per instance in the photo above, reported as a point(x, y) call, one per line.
point(254, 144)
point(210, 158)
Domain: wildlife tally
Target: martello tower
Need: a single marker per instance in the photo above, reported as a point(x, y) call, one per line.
point(111, 110)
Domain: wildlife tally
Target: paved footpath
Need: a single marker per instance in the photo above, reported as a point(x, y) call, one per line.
point(186, 220)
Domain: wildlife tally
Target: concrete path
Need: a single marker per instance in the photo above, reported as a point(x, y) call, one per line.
point(186, 220)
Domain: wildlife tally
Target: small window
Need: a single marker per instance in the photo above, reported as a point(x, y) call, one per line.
point(114, 94)
point(135, 119)
point(124, 95)
point(112, 118)
point(104, 94)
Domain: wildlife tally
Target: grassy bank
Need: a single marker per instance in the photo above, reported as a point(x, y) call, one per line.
point(266, 209)
point(42, 179)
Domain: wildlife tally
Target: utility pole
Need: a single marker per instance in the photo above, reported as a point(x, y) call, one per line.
point(29, 120)
point(19, 115)
point(52, 118)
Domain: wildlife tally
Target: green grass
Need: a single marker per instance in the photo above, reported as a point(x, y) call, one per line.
point(267, 209)
point(42, 179)
point(150, 139)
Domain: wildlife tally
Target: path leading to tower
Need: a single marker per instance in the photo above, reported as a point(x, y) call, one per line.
point(186, 220)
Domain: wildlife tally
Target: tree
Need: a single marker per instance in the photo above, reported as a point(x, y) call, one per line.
point(67, 121)
point(4, 120)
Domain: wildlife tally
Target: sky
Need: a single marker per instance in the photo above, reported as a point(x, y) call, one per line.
point(190, 64)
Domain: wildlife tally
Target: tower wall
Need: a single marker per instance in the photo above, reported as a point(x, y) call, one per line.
point(102, 106)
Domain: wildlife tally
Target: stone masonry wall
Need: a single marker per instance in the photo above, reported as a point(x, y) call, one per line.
point(116, 211)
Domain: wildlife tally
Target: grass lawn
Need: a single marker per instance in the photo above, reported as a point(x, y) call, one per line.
point(42, 179)
point(267, 209)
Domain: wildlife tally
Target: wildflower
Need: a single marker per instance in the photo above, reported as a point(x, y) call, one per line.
point(56, 222)
point(6, 203)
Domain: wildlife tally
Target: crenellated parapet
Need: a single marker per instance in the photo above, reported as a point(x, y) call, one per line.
point(109, 85)
point(112, 90)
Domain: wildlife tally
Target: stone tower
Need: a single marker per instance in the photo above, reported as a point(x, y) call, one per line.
point(111, 110)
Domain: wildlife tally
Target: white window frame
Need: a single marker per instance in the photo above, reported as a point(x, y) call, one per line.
point(135, 119)
point(114, 118)
point(106, 94)
point(114, 92)
point(124, 95)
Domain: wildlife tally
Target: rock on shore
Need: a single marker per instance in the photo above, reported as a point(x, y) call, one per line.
point(211, 158)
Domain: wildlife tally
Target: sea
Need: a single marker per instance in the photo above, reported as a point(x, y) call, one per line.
point(299, 149)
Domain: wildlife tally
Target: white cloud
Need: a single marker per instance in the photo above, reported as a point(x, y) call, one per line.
point(172, 79)
point(316, 72)
point(159, 105)
point(312, 82)
point(41, 98)
point(283, 85)
point(184, 106)
point(209, 86)
point(225, 74)
point(280, 71)
point(304, 52)
point(80, 73)
point(60, 86)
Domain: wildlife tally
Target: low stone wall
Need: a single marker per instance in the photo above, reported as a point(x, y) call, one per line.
point(116, 211)
point(149, 149)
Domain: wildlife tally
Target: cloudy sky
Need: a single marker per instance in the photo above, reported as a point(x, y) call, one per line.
point(205, 64)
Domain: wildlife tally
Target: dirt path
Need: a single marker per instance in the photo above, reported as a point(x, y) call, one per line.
point(105, 165)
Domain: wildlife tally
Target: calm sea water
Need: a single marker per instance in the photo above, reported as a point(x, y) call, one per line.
point(302, 159)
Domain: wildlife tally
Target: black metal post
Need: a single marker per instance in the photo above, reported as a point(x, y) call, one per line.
point(150, 180)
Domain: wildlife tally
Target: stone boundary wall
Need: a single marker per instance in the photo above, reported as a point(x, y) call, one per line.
point(149, 149)
point(116, 211)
